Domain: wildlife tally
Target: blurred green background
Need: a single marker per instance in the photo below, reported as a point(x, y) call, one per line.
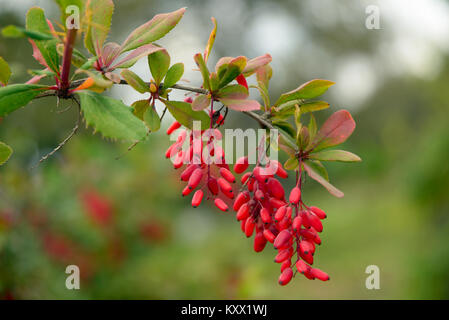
point(132, 234)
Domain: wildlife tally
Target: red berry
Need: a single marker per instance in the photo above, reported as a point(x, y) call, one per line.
point(285, 276)
point(282, 239)
point(283, 255)
point(249, 227)
point(286, 264)
point(174, 126)
point(280, 213)
point(315, 222)
point(195, 178)
point(295, 195)
point(259, 242)
point(212, 185)
point(220, 204)
point(224, 185)
point(225, 173)
point(241, 198)
point(301, 266)
point(243, 212)
point(321, 275)
point(319, 213)
point(241, 165)
point(297, 223)
point(265, 215)
point(276, 188)
point(197, 197)
point(269, 235)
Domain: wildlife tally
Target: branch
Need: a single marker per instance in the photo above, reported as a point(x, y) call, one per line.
point(259, 118)
point(72, 133)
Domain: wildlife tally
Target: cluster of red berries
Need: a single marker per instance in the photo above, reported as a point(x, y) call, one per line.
point(262, 208)
point(291, 226)
point(206, 170)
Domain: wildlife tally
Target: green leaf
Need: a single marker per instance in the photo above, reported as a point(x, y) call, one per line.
point(98, 21)
point(183, 113)
point(89, 63)
point(152, 119)
point(337, 128)
point(287, 109)
point(5, 152)
point(221, 66)
point(63, 4)
point(139, 107)
point(214, 81)
point(233, 91)
point(159, 63)
point(308, 90)
point(134, 81)
point(315, 174)
point(153, 30)
point(264, 75)
point(201, 102)
point(5, 72)
point(291, 164)
point(203, 69)
point(335, 155)
point(312, 127)
point(14, 96)
point(210, 42)
point(303, 138)
point(285, 126)
point(111, 117)
point(174, 74)
point(36, 22)
point(234, 68)
point(12, 31)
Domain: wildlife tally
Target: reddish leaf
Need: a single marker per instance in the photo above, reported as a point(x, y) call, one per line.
point(337, 128)
point(256, 63)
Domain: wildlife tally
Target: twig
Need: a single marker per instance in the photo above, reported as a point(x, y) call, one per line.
point(72, 133)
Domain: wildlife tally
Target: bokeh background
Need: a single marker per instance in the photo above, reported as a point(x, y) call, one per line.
point(132, 234)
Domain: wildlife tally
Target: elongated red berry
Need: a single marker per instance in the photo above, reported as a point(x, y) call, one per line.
point(224, 185)
point(301, 266)
point(286, 264)
point(276, 203)
point(259, 242)
point(283, 255)
point(186, 191)
point(319, 274)
point(269, 235)
point(305, 247)
point(319, 213)
point(276, 188)
point(249, 227)
point(259, 176)
point(243, 212)
point(280, 171)
point(295, 195)
point(195, 178)
point(297, 223)
point(242, 197)
point(315, 222)
point(228, 193)
point(265, 215)
point(220, 204)
point(282, 239)
point(185, 175)
point(212, 185)
point(241, 165)
point(225, 173)
point(245, 177)
point(280, 213)
point(197, 197)
point(174, 126)
point(285, 276)
point(188, 99)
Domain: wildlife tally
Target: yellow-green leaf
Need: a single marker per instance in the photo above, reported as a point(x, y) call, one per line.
point(335, 155)
point(308, 90)
point(134, 81)
point(5, 152)
point(174, 74)
point(5, 72)
point(159, 63)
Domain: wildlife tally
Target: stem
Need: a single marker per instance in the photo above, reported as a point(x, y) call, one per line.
point(259, 118)
point(67, 59)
